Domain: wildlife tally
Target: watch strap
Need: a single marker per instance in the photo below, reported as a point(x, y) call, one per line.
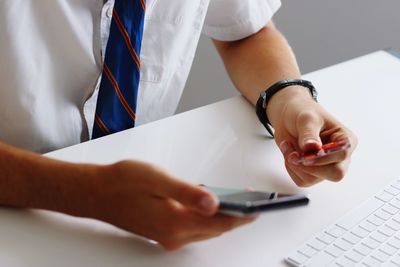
point(261, 105)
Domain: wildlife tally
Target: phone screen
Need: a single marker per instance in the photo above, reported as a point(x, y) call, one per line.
point(241, 202)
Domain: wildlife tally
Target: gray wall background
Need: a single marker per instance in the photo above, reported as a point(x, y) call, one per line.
point(321, 33)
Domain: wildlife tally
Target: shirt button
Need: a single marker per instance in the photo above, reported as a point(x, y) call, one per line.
point(109, 12)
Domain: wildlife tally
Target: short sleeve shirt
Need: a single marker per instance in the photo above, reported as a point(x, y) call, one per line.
point(52, 51)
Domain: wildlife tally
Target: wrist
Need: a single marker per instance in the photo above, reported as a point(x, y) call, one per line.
point(89, 196)
point(32, 181)
point(67, 188)
point(294, 89)
point(279, 101)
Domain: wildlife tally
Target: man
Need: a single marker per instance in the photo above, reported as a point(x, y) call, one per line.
point(51, 58)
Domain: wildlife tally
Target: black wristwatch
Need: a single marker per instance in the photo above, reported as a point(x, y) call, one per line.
point(261, 106)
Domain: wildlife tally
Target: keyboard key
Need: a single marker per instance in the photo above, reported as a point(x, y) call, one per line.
point(390, 209)
point(361, 233)
point(377, 236)
point(394, 242)
point(297, 258)
point(334, 251)
point(351, 238)
point(371, 243)
point(354, 256)
point(392, 190)
point(360, 213)
point(390, 264)
point(363, 249)
point(396, 260)
point(336, 231)
point(386, 197)
point(381, 214)
point(395, 203)
point(320, 260)
point(316, 244)
point(375, 220)
point(325, 238)
point(371, 262)
point(368, 226)
point(393, 225)
point(345, 262)
point(307, 251)
point(380, 256)
point(387, 249)
point(343, 244)
point(396, 218)
point(387, 231)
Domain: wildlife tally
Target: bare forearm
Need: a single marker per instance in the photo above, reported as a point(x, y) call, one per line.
point(257, 62)
point(28, 180)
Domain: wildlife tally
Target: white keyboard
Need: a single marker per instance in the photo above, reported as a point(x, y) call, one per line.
point(367, 236)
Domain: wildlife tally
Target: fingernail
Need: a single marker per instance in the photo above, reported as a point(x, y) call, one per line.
point(284, 146)
point(208, 203)
point(310, 141)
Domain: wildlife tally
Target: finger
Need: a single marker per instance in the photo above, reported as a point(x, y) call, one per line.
point(343, 152)
point(292, 158)
point(293, 167)
point(346, 138)
point(296, 179)
point(225, 226)
point(301, 178)
point(336, 157)
point(339, 134)
point(333, 172)
point(190, 196)
point(308, 128)
point(190, 227)
point(287, 148)
point(289, 153)
point(221, 223)
point(194, 238)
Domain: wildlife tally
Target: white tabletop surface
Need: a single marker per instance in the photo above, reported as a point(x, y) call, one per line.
point(224, 144)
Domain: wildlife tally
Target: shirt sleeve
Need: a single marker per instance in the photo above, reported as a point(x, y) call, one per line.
point(230, 20)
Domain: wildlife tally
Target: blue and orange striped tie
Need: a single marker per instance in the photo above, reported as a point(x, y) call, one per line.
point(117, 99)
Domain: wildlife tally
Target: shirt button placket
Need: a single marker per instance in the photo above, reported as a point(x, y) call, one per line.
point(109, 12)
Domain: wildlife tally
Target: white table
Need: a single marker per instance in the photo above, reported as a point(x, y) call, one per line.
point(224, 144)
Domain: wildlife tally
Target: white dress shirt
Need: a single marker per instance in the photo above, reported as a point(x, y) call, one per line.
point(51, 54)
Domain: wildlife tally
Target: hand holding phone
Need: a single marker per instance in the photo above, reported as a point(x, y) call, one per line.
point(239, 202)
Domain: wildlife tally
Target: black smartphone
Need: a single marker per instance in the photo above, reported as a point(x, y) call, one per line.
point(238, 202)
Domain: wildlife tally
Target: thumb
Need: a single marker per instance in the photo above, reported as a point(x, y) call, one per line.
point(193, 197)
point(308, 129)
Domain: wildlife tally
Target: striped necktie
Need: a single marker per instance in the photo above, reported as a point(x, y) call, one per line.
point(117, 99)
